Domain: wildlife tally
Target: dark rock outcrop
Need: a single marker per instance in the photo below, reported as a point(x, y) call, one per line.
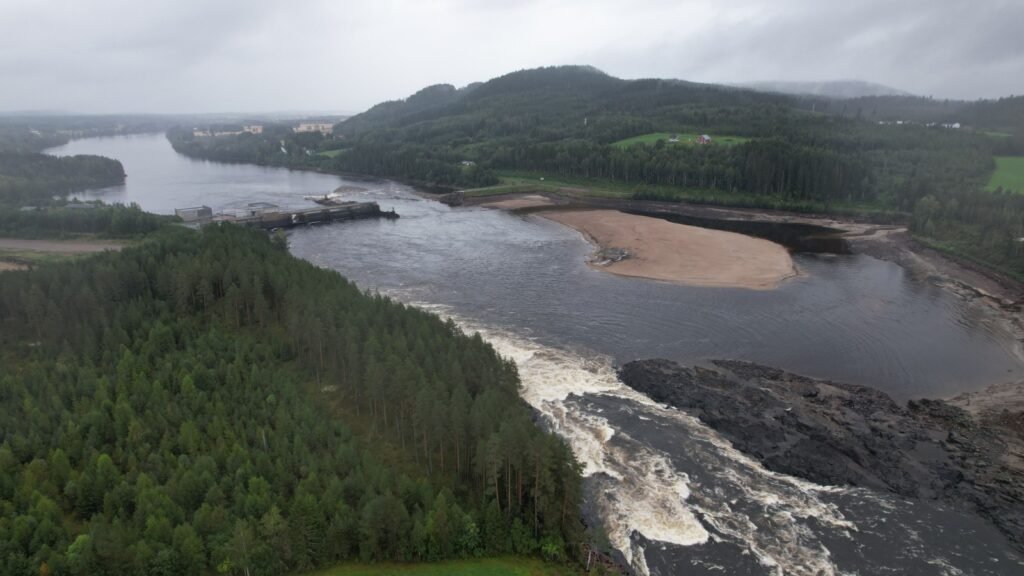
point(843, 434)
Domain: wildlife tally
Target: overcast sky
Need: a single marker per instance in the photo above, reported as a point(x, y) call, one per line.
point(336, 55)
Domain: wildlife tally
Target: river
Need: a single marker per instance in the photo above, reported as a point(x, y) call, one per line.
point(673, 496)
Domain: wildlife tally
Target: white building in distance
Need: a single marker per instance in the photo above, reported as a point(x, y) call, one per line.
point(321, 127)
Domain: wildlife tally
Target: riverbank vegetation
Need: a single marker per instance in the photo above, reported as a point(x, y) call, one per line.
point(204, 402)
point(74, 220)
point(506, 566)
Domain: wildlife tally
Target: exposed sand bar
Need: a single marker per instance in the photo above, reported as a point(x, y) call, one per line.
point(59, 246)
point(520, 202)
point(662, 250)
point(11, 266)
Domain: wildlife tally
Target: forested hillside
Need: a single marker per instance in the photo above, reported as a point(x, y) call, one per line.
point(206, 402)
point(807, 154)
point(562, 121)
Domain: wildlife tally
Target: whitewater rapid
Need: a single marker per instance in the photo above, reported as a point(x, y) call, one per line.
point(639, 491)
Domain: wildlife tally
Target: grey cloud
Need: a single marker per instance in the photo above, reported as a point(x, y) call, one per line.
point(196, 55)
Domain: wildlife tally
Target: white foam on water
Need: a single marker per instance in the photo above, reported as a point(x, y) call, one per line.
point(946, 568)
point(638, 490)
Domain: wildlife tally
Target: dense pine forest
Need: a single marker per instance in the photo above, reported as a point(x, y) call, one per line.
point(206, 402)
point(804, 153)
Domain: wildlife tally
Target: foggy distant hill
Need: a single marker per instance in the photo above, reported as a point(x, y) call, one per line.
point(830, 89)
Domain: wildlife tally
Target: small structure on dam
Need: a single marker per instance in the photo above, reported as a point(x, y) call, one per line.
point(194, 213)
point(277, 218)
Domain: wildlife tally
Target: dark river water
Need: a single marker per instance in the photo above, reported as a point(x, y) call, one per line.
point(673, 497)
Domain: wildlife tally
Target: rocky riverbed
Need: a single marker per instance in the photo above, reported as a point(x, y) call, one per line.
point(843, 434)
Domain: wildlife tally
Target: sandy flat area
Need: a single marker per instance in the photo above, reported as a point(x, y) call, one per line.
point(59, 246)
point(663, 250)
point(520, 202)
point(11, 266)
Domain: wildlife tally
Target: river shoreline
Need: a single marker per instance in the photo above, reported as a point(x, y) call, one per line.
point(967, 281)
point(883, 241)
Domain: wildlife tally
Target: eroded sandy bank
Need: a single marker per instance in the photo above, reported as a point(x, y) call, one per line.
point(662, 250)
point(520, 202)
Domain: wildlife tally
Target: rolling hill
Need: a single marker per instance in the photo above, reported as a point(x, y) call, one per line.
point(829, 89)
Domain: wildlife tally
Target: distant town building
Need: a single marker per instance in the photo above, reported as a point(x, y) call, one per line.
point(468, 163)
point(321, 127)
point(953, 125)
point(704, 139)
point(673, 137)
point(200, 133)
point(253, 129)
point(194, 213)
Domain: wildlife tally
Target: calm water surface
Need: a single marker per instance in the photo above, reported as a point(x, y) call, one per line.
point(672, 495)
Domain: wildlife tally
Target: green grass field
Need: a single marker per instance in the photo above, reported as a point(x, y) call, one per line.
point(1009, 174)
point(510, 566)
point(331, 153)
point(684, 138)
point(996, 134)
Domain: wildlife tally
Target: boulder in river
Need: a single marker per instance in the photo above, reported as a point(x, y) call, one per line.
point(844, 434)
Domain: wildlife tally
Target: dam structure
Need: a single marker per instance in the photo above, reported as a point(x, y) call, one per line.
point(271, 217)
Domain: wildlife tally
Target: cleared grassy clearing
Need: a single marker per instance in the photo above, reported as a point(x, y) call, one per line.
point(331, 153)
point(1009, 174)
point(22, 252)
point(510, 566)
point(20, 259)
point(684, 138)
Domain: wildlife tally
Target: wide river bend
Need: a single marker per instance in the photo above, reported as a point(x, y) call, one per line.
point(672, 496)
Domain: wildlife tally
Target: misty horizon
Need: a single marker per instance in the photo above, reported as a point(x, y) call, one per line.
point(265, 56)
point(299, 113)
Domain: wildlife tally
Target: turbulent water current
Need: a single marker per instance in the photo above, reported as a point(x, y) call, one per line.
point(669, 494)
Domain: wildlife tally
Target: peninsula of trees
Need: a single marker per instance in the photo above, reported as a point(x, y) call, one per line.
point(206, 402)
point(35, 187)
